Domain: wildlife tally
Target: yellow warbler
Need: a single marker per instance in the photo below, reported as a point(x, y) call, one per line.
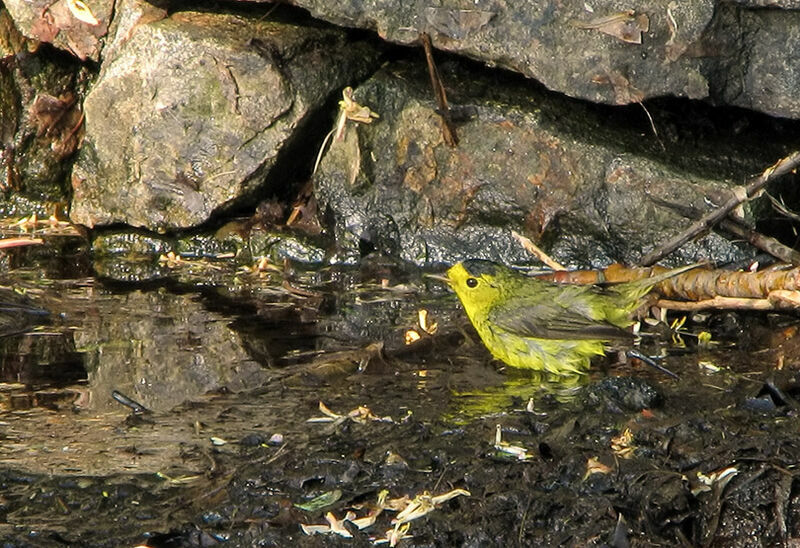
point(545, 326)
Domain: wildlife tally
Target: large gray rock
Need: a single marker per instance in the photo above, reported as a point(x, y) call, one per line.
point(589, 188)
point(190, 113)
point(766, 74)
point(734, 52)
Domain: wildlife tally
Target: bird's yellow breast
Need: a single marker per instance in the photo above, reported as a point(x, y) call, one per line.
point(555, 356)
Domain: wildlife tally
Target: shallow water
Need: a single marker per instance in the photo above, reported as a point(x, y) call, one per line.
point(232, 365)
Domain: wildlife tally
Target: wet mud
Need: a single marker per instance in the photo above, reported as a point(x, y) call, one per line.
point(292, 400)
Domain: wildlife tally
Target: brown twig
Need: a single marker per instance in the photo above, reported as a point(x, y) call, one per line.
point(6, 243)
point(700, 284)
point(745, 193)
point(735, 227)
point(781, 208)
point(448, 129)
point(536, 251)
point(779, 299)
point(718, 303)
point(762, 242)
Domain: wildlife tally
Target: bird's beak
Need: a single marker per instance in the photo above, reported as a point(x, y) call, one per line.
point(444, 279)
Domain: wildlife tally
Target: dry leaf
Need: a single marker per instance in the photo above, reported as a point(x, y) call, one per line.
point(394, 536)
point(82, 12)
point(44, 29)
point(504, 447)
point(412, 336)
point(456, 23)
point(622, 445)
point(428, 326)
point(706, 482)
point(626, 25)
point(624, 92)
point(424, 504)
point(47, 111)
point(594, 466)
point(353, 111)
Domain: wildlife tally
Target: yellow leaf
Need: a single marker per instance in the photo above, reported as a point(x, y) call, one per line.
point(82, 12)
point(412, 336)
point(429, 327)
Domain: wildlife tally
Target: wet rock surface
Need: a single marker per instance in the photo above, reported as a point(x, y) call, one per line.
point(137, 256)
point(40, 122)
point(180, 137)
point(553, 170)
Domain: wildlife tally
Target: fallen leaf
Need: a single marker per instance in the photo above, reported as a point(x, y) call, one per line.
point(626, 26)
point(622, 445)
point(504, 447)
point(47, 111)
point(412, 336)
point(428, 326)
point(456, 23)
point(322, 501)
point(624, 92)
point(82, 12)
point(44, 29)
point(594, 466)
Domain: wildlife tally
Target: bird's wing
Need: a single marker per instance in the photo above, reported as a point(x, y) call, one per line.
point(559, 315)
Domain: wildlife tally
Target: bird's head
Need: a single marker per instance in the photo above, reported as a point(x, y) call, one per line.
point(478, 283)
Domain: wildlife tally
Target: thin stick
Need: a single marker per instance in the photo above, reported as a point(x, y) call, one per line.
point(762, 242)
point(781, 208)
point(536, 251)
point(783, 166)
point(633, 353)
point(5, 243)
point(652, 125)
point(735, 227)
point(718, 303)
point(448, 130)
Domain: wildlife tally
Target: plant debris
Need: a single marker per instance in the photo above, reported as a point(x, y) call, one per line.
point(626, 26)
point(360, 414)
point(409, 509)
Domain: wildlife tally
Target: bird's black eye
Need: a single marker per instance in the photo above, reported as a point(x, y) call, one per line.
point(472, 282)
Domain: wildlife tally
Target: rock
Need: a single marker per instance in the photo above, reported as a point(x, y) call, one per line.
point(623, 394)
point(762, 79)
point(732, 51)
point(40, 123)
point(590, 189)
point(288, 245)
point(192, 111)
point(64, 24)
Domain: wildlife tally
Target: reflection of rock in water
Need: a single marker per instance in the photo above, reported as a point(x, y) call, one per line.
point(18, 313)
point(160, 349)
point(36, 360)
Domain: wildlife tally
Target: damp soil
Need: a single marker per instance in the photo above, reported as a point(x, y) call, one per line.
point(231, 446)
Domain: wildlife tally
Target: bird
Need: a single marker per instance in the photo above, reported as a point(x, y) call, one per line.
point(545, 326)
